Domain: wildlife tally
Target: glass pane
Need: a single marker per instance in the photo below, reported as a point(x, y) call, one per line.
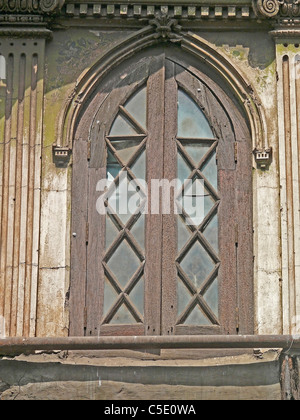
point(196, 201)
point(197, 264)
point(139, 167)
point(123, 316)
point(183, 169)
point(212, 297)
point(120, 199)
point(184, 297)
point(138, 231)
point(124, 263)
point(192, 123)
point(122, 127)
point(197, 317)
point(183, 233)
point(209, 202)
point(210, 171)
point(110, 296)
point(196, 150)
point(211, 233)
point(111, 232)
point(137, 107)
point(113, 167)
point(125, 148)
point(137, 295)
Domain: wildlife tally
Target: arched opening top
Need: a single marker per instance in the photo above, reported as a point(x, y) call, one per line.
point(240, 90)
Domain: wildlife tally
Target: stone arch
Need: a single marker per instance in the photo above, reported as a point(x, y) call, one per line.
point(150, 36)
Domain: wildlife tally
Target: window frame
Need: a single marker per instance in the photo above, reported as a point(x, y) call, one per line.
point(237, 311)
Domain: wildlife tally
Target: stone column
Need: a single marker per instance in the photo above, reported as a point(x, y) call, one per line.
point(284, 17)
point(22, 48)
point(288, 70)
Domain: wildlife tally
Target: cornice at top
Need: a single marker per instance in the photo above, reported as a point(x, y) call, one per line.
point(173, 9)
point(274, 11)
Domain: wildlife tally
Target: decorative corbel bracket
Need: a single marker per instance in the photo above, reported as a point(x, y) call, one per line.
point(61, 155)
point(263, 157)
point(167, 28)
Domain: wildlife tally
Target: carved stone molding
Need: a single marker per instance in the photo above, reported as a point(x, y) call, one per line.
point(166, 27)
point(165, 17)
point(61, 155)
point(183, 11)
point(267, 8)
point(31, 7)
point(263, 157)
point(279, 9)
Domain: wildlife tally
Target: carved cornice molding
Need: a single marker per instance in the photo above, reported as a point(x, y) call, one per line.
point(30, 7)
point(178, 10)
point(23, 18)
point(284, 11)
point(267, 8)
point(164, 16)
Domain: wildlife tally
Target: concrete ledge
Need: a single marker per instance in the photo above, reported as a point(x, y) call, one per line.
point(62, 376)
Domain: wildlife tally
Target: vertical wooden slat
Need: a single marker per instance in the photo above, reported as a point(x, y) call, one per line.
point(96, 251)
point(78, 240)
point(244, 238)
point(154, 164)
point(169, 233)
point(227, 252)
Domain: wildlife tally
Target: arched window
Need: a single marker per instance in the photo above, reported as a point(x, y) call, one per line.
point(167, 195)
